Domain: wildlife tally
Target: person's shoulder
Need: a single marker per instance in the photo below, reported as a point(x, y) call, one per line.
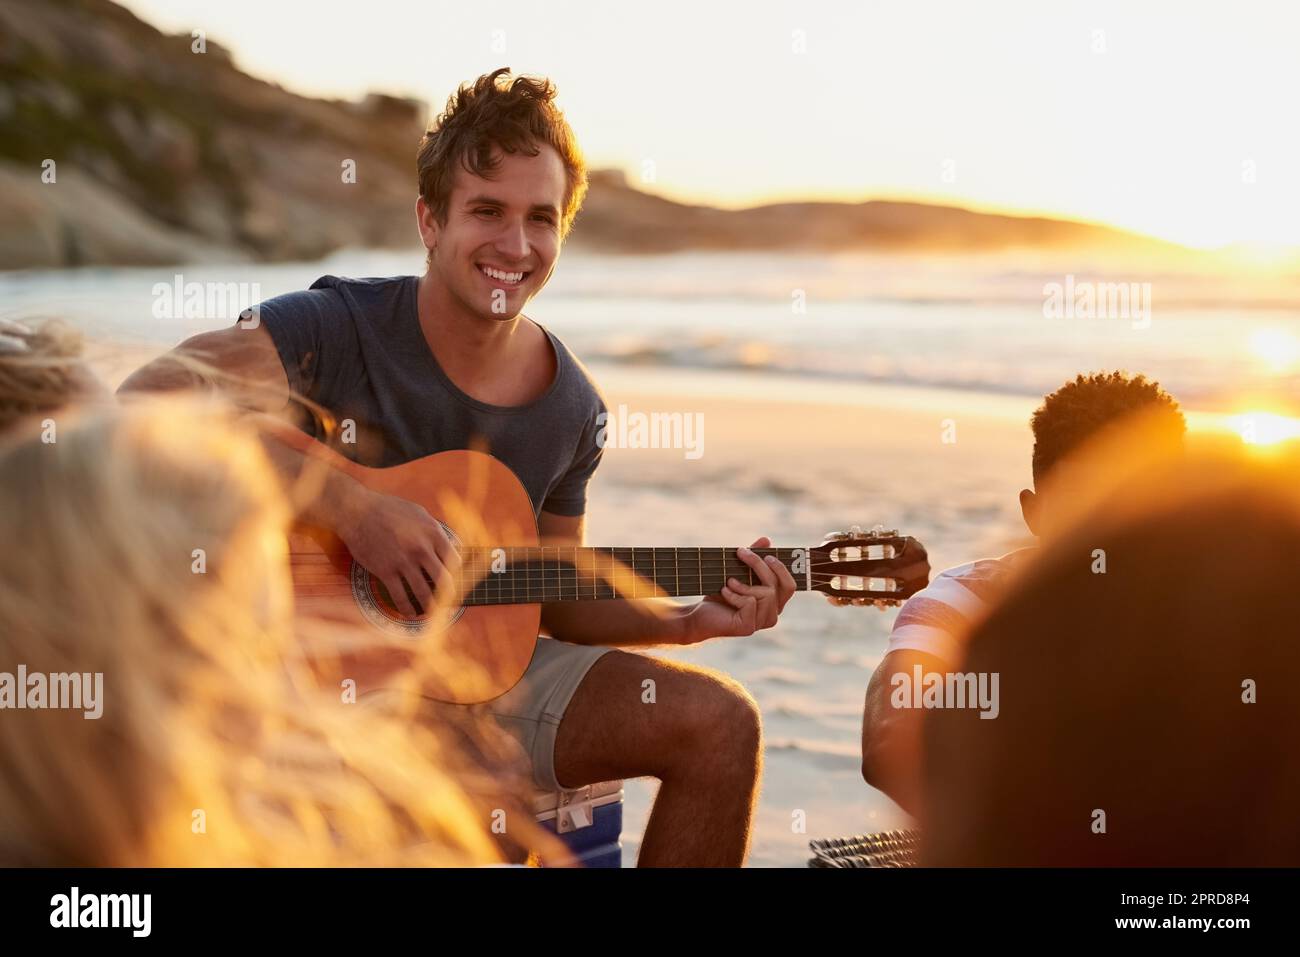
point(985, 570)
point(578, 380)
point(1017, 558)
point(314, 296)
point(935, 618)
point(341, 283)
point(987, 578)
point(946, 588)
point(963, 589)
point(366, 289)
point(333, 299)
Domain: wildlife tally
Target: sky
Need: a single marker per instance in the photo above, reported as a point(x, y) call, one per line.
point(1175, 119)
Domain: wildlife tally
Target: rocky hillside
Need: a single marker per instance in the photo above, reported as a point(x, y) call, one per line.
point(162, 154)
point(617, 218)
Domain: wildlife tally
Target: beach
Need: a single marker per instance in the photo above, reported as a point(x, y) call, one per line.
point(794, 469)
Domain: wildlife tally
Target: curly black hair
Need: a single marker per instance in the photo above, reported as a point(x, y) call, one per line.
point(1080, 409)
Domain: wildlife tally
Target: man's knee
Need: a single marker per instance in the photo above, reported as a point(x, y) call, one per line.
point(723, 719)
point(685, 721)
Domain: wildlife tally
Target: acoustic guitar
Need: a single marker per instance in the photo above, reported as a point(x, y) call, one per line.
point(490, 627)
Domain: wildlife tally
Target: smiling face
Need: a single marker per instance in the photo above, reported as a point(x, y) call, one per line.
point(501, 239)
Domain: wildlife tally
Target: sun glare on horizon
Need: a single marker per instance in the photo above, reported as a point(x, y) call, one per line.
point(1256, 427)
point(1261, 428)
point(1276, 348)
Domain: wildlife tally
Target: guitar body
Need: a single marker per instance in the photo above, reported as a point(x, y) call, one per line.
point(479, 652)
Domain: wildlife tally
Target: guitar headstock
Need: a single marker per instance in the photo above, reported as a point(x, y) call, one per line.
point(876, 567)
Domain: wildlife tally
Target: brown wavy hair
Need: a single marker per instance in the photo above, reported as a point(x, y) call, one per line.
point(496, 112)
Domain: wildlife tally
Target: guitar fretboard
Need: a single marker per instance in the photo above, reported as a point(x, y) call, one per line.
point(511, 576)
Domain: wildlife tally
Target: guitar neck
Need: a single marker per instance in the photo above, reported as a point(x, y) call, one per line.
point(511, 576)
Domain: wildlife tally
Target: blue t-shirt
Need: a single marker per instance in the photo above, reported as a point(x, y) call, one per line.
point(355, 346)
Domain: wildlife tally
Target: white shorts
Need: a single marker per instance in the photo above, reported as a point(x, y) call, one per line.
point(531, 711)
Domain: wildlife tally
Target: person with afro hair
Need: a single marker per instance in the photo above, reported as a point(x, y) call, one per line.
point(930, 628)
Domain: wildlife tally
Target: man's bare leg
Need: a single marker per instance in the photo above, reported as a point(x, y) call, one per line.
point(697, 731)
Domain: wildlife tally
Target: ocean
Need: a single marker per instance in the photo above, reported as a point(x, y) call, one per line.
point(973, 323)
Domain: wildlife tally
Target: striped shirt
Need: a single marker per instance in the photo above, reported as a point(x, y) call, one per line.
point(937, 619)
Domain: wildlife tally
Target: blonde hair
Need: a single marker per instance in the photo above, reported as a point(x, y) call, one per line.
point(147, 544)
point(41, 369)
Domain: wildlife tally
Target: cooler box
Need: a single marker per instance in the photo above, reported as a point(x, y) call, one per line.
point(589, 820)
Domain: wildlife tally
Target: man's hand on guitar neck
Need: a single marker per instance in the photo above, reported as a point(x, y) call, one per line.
point(742, 609)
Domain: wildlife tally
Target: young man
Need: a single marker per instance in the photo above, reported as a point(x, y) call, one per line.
point(932, 625)
point(447, 361)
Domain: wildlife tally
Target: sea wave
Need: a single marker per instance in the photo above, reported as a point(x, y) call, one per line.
point(969, 323)
point(963, 363)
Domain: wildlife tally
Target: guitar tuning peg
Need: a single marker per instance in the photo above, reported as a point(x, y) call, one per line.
point(879, 531)
point(855, 531)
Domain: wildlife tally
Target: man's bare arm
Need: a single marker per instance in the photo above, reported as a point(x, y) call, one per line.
point(241, 363)
point(891, 737)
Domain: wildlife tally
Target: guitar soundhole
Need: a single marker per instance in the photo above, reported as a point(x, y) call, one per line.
point(379, 594)
point(377, 604)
